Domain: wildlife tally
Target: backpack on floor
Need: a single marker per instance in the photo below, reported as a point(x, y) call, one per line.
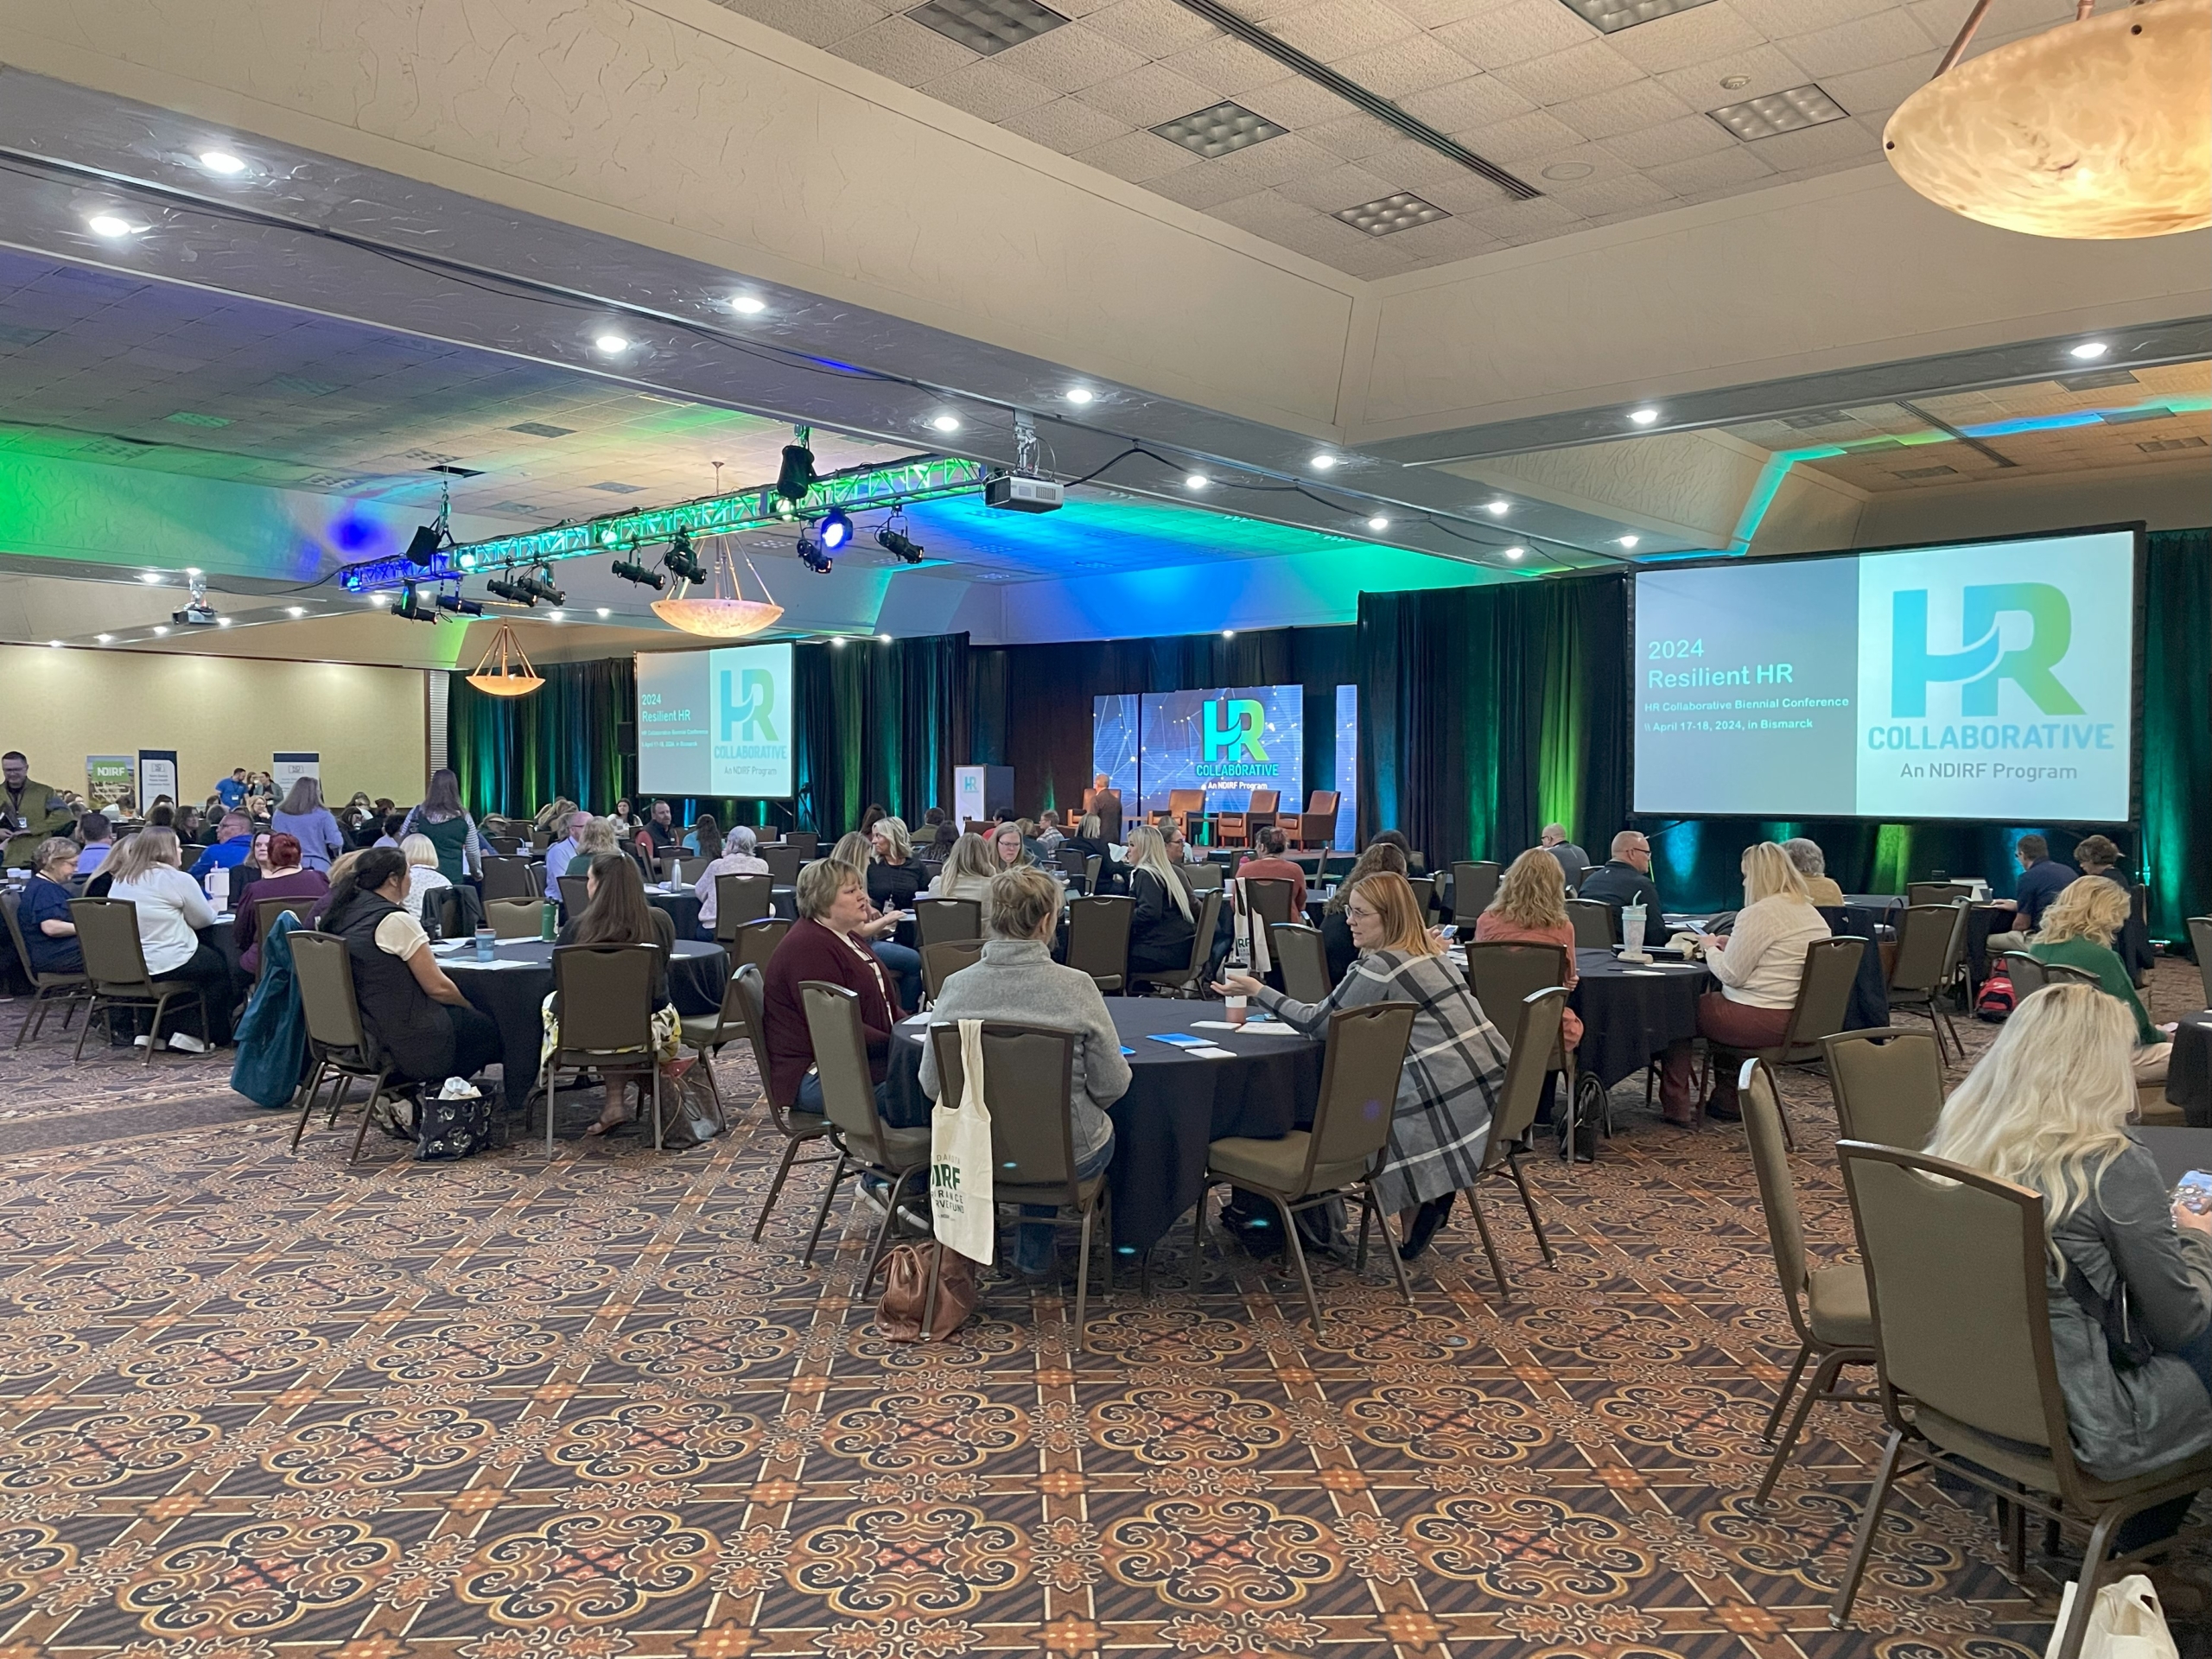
point(1995, 1002)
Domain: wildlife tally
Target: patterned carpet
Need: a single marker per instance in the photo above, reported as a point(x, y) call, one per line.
point(254, 1405)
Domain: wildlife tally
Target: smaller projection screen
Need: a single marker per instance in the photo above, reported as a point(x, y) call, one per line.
point(716, 724)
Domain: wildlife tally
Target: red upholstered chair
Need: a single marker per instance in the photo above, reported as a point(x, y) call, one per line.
point(1317, 825)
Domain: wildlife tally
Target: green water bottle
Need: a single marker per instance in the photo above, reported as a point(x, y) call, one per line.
point(545, 921)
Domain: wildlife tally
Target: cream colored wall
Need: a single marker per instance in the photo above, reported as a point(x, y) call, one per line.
point(217, 713)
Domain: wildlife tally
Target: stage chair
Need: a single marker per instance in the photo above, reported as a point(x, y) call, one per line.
point(1316, 826)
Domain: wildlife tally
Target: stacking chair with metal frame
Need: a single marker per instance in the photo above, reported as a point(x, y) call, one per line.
point(1958, 1286)
point(1302, 959)
point(865, 1145)
point(1343, 1149)
point(1075, 866)
point(508, 877)
point(606, 993)
point(1596, 924)
point(941, 921)
point(1474, 884)
point(1937, 893)
point(575, 894)
point(740, 899)
point(804, 843)
point(2030, 976)
point(1504, 976)
point(757, 941)
point(941, 961)
point(1823, 1003)
point(1424, 888)
point(1268, 898)
point(1827, 1306)
point(115, 963)
point(265, 911)
point(505, 845)
point(338, 1043)
point(1032, 1146)
point(1929, 941)
point(783, 859)
point(1205, 878)
point(46, 988)
point(707, 1035)
point(1536, 1032)
point(1888, 1084)
point(1098, 937)
point(1189, 981)
point(515, 918)
point(798, 1128)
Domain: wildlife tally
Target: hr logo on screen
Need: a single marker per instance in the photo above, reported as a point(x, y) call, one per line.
point(1982, 661)
point(1233, 748)
point(746, 718)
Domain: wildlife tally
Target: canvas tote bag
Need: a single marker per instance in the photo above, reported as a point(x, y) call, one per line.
point(2125, 1622)
point(961, 1213)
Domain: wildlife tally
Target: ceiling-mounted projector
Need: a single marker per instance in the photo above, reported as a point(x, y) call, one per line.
point(1017, 494)
point(198, 614)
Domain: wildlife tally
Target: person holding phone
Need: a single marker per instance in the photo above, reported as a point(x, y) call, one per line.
point(902, 962)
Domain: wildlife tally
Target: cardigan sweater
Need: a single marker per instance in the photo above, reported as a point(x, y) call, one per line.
point(811, 950)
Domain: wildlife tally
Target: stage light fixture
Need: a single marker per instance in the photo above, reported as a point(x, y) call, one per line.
point(539, 583)
point(796, 476)
point(630, 570)
point(513, 592)
point(458, 605)
point(221, 162)
point(811, 555)
point(1643, 417)
point(2089, 350)
point(900, 544)
point(414, 607)
point(835, 530)
point(681, 559)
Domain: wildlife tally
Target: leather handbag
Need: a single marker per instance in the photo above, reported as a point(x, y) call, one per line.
point(928, 1291)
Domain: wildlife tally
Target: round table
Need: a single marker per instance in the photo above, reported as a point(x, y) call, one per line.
point(1631, 1011)
point(515, 997)
point(1175, 1107)
point(2188, 1073)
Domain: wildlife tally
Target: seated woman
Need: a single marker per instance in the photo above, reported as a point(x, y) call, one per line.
point(616, 912)
point(339, 866)
point(943, 840)
point(855, 851)
point(738, 858)
point(2100, 855)
point(1336, 925)
point(415, 1013)
point(1455, 1059)
point(1010, 850)
point(1166, 911)
point(968, 871)
point(893, 883)
point(704, 838)
point(827, 942)
point(1813, 864)
point(1089, 841)
point(423, 875)
point(48, 934)
point(1018, 980)
point(1758, 966)
point(146, 869)
point(287, 878)
point(2078, 928)
point(2047, 1107)
point(1530, 908)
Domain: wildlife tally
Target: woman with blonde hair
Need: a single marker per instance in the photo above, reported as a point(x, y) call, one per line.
point(1166, 912)
point(423, 875)
point(145, 870)
point(968, 871)
point(856, 852)
point(1758, 965)
point(1455, 1059)
point(2078, 931)
point(1530, 908)
point(2047, 1108)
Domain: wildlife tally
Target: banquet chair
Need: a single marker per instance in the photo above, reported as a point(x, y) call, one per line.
point(1474, 884)
point(1098, 938)
point(1340, 1154)
point(46, 988)
point(1505, 975)
point(866, 1146)
point(506, 846)
point(799, 1129)
point(707, 1035)
point(1302, 960)
point(338, 1043)
point(1937, 893)
point(1424, 888)
point(1823, 1000)
point(937, 921)
point(515, 918)
point(740, 899)
point(1928, 937)
point(265, 911)
point(1588, 870)
point(941, 961)
point(2030, 976)
point(2200, 941)
point(1076, 866)
point(1596, 924)
point(1959, 1291)
point(1513, 1113)
point(540, 840)
point(606, 995)
point(1191, 981)
point(783, 859)
point(1208, 877)
point(806, 845)
point(575, 894)
point(508, 878)
point(1827, 1306)
point(1888, 1084)
point(115, 965)
point(1316, 826)
point(755, 942)
point(1033, 1151)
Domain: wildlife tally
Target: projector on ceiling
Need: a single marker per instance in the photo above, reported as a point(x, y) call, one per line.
point(1019, 494)
point(194, 616)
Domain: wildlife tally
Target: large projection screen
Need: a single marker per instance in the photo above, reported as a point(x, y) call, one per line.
point(716, 724)
point(1990, 680)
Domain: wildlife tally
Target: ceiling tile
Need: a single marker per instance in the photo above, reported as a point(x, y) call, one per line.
point(1861, 44)
point(1146, 97)
point(1671, 141)
point(817, 22)
point(1475, 102)
point(1227, 65)
point(1766, 69)
point(1155, 28)
point(1776, 18)
point(1410, 165)
point(1464, 191)
point(1521, 220)
point(1336, 243)
point(905, 51)
point(1069, 59)
point(1517, 32)
point(1720, 170)
point(1355, 138)
point(1822, 146)
point(1334, 30)
point(1577, 71)
point(1066, 124)
point(1205, 184)
point(1435, 14)
point(1264, 212)
point(1615, 195)
point(1446, 239)
point(985, 89)
point(1340, 187)
point(1404, 68)
point(1138, 157)
point(1625, 109)
point(1297, 103)
point(1879, 90)
point(1687, 37)
point(1538, 133)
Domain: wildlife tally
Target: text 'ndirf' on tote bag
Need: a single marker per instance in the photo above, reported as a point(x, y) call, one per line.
point(961, 1212)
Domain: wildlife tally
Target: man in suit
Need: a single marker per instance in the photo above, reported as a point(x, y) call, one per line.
point(1103, 799)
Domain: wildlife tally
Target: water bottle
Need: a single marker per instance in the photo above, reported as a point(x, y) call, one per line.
point(487, 943)
point(546, 917)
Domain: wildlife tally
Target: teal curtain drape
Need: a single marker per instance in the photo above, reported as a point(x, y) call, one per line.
point(2175, 855)
point(572, 737)
point(880, 722)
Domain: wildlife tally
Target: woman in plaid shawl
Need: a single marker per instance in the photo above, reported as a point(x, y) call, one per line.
point(1455, 1060)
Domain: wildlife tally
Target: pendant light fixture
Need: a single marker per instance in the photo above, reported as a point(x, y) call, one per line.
point(513, 676)
point(2098, 129)
point(719, 615)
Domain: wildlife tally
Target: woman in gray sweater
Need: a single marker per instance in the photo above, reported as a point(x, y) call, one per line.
point(1018, 982)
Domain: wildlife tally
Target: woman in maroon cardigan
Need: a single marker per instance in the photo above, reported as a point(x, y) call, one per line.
point(830, 942)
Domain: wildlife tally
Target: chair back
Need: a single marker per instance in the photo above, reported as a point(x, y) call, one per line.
point(1474, 884)
point(2200, 941)
point(684, 868)
point(1074, 863)
point(833, 1020)
point(740, 899)
point(1185, 803)
point(1526, 1072)
point(607, 997)
point(1027, 1069)
point(1424, 888)
point(265, 911)
point(1785, 1228)
point(1205, 877)
point(1823, 995)
point(1359, 1086)
point(1268, 898)
point(10, 905)
point(749, 990)
point(508, 877)
point(783, 859)
point(515, 918)
point(576, 894)
point(115, 961)
point(540, 840)
point(1302, 959)
point(941, 961)
point(327, 1001)
point(1936, 892)
point(1596, 924)
point(1263, 803)
point(1091, 866)
point(1099, 937)
point(806, 843)
point(1955, 1282)
point(942, 921)
point(1888, 1084)
point(755, 942)
point(1322, 802)
point(1504, 976)
point(1208, 918)
point(506, 846)
point(2030, 976)
point(1924, 946)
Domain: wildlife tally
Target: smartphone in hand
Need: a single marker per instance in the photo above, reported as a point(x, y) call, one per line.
point(2193, 1192)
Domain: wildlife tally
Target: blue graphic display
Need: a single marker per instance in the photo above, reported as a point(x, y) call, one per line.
point(1347, 766)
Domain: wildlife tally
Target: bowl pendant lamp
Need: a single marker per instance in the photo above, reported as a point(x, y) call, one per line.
point(717, 616)
point(2098, 129)
point(513, 676)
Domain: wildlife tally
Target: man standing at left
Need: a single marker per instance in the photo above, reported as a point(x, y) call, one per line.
point(29, 811)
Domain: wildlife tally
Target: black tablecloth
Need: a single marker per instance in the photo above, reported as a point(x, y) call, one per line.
point(2189, 1074)
point(1870, 990)
point(1630, 1012)
point(682, 909)
point(515, 997)
point(2177, 1151)
point(1174, 1105)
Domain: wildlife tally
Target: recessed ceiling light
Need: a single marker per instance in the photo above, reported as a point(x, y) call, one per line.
point(379, 599)
point(153, 576)
point(104, 638)
point(159, 632)
point(296, 610)
point(1613, 15)
point(2089, 350)
point(946, 422)
point(1567, 172)
point(1387, 214)
point(1643, 416)
point(838, 639)
point(222, 621)
point(612, 344)
point(1497, 509)
point(194, 570)
point(110, 225)
point(1322, 463)
point(557, 616)
point(1629, 541)
point(1734, 83)
point(221, 162)
point(1219, 129)
point(604, 612)
point(55, 644)
point(1517, 552)
point(746, 306)
point(1379, 522)
point(1080, 394)
point(1790, 111)
point(986, 26)
point(1229, 633)
point(884, 638)
point(1196, 482)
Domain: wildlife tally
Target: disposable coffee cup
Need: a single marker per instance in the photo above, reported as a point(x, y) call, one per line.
point(1235, 1007)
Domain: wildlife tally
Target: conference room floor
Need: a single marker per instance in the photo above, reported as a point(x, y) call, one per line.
point(254, 1404)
